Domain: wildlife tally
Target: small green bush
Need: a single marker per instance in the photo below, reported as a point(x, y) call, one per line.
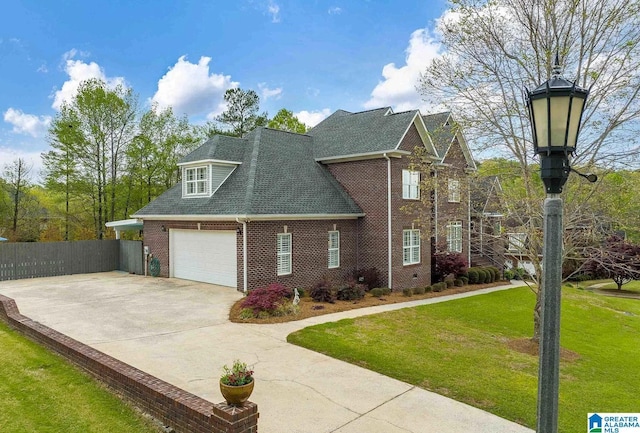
point(385, 290)
point(439, 287)
point(407, 292)
point(508, 274)
point(449, 283)
point(496, 273)
point(376, 292)
point(418, 290)
point(474, 276)
point(286, 309)
point(246, 313)
point(301, 292)
point(351, 292)
point(428, 289)
point(465, 280)
point(458, 282)
point(483, 276)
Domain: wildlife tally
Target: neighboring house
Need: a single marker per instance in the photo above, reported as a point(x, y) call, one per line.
point(275, 206)
point(451, 224)
point(487, 239)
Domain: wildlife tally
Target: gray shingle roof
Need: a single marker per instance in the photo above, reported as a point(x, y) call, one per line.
point(344, 133)
point(278, 176)
point(441, 133)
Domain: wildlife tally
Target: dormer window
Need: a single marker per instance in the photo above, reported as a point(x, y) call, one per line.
point(196, 181)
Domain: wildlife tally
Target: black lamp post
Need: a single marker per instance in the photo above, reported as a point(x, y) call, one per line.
point(555, 108)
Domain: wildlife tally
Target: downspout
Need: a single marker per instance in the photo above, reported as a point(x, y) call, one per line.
point(469, 222)
point(435, 206)
point(389, 255)
point(244, 253)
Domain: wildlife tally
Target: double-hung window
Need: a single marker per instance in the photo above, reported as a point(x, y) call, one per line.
point(454, 191)
point(334, 249)
point(410, 185)
point(410, 247)
point(196, 181)
point(454, 236)
point(283, 252)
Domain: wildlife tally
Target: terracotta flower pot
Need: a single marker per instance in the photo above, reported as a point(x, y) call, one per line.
point(236, 395)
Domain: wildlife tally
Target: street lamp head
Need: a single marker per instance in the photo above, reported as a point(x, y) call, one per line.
point(555, 110)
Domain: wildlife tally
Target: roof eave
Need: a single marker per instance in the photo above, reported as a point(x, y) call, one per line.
point(245, 217)
point(393, 153)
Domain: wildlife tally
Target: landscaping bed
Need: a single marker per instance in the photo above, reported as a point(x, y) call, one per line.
point(310, 308)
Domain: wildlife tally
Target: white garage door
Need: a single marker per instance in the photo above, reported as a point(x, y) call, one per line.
point(204, 255)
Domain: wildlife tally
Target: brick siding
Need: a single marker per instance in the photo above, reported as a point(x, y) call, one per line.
point(183, 411)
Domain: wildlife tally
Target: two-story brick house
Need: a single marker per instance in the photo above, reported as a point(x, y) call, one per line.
point(274, 206)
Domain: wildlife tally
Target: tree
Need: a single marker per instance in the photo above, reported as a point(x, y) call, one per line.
point(153, 156)
point(89, 140)
point(616, 259)
point(17, 182)
point(286, 121)
point(241, 114)
point(492, 49)
point(446, 262)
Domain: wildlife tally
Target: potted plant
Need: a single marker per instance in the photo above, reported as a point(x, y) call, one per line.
point(236, 383)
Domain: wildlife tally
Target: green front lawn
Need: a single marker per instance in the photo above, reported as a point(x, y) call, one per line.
point(464, 349)
point(40, 392)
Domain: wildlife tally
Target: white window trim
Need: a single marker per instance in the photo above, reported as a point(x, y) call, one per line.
point(283, 258)
point(333, 250)
point(516, 242)
point(410, 185)
point(411, 250)
point(196, 181)
point(454, 236)
point(454, 191)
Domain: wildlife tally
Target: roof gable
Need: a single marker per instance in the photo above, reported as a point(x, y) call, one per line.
point(444, 131)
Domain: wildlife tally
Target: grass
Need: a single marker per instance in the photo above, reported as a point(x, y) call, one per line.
point(631, 287)
point(464, 349)
point(40, 392)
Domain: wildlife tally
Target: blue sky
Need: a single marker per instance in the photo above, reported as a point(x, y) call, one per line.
point(311, 57)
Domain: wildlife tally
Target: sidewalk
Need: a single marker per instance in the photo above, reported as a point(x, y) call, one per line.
point(179, 332)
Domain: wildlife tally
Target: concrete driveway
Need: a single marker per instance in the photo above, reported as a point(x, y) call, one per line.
point(179, 331)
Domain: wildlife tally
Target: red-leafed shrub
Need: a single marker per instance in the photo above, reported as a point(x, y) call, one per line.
point(323, 291)
point(266, 299)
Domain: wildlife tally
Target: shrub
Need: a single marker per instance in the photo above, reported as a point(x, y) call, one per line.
point(323, 291)
point(447, 263)
point(448, 283)
point(458, 282)
point(418, 290)
point(474, 276)
point(428, 289)
point(286, 309)
point(376, 292)
point(496, 273)
point(508, 274)
point(386, 291)
point(266, 299)
point(482, 276)
point(407, 292)
point(351, 292)
point(439, 287)
point(368, 277)
point(301, 292)
point(492, 275)
point(465, 280)
point(247, 313)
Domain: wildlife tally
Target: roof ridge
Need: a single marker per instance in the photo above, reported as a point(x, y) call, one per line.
point(253, 166)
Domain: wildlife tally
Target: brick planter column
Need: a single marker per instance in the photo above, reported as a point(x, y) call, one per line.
point(231, 419)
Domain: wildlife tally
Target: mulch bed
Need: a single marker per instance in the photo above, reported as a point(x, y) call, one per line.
point(310, 308)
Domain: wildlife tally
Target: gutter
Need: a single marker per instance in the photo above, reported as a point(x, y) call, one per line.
point(389, 255)
point(244, 254)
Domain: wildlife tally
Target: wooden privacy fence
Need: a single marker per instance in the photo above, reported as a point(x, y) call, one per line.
point(48, 259)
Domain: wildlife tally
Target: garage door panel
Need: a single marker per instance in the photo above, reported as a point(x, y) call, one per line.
point(204, 255)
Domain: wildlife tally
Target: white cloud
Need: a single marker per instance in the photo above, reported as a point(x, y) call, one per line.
point(33, 159)
point(274, 10)
point(78, 72)
point(267, 93)
point(191, 89)
point(312, 118)
point(335, 10)
point(398, 89)
point(27, 123)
